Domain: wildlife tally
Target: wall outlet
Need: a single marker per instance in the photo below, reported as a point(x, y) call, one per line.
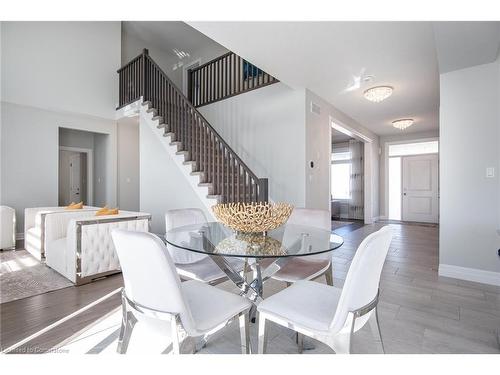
point(490, 172)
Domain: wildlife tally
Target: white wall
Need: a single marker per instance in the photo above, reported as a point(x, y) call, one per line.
point(318, 149)
point(266, 128)
point(76, 138)
point(128, 164)
point(55, 74)
point(66, 66)
point(30, 152)
point(162, 185)
point(469, 141)
point(384, 140)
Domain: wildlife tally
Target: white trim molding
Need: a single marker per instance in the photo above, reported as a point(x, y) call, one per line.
point(470, 274)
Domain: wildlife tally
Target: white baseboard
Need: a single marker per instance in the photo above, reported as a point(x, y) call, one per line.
point(470, 274)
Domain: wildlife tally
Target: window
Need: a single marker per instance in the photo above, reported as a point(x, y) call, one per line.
point(418, 148)
point(341, 175)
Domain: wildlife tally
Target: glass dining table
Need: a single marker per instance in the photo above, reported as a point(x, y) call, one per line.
point(266, 254)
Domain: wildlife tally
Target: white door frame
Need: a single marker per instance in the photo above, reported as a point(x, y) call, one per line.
point(90, 169)
point(367, 155)
point(386, 165)
point(185, 69)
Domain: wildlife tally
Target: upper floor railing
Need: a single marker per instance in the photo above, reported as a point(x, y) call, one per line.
point(230, 178)
point(223, 77)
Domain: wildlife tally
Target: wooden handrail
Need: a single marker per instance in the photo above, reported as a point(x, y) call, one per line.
point(231, 179)
point(223, 77)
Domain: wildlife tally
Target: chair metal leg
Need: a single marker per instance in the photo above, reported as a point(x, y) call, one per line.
point(262, 336)
point(329, 275)
point(127, 326)
point(300, 342)
point(176, 347)
point(244, 332)
point(375, 326)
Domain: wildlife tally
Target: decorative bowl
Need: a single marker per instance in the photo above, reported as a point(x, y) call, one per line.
point(252, 217)
point(250, 244)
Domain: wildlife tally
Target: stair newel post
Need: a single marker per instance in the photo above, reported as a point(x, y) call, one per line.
point(263, 193)
point(145, 53)
point(190, 85)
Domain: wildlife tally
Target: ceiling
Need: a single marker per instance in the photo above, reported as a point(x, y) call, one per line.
point(338, 137)
point(463, 44)
point(330, 57)
point(170, 35)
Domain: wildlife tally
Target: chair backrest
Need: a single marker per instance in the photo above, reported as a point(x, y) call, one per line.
point(178, 218)
point(313, 218)
point(362, 280)
point(149, 274)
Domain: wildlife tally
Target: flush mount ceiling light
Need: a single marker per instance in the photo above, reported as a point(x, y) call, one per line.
point(403, 123)
point(378, 93)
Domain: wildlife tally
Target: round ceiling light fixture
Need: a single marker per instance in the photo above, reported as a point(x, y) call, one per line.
point(403, 123)
point(378, 93)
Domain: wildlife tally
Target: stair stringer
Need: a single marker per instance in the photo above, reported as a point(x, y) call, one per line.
point(147, 118)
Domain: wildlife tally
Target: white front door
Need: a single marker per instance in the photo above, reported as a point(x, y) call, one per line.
point(420, 188)
point(75, 177)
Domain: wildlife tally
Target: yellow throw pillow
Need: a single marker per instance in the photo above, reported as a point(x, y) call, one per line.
point(75, 206)
point(102, 211)
point(107, 211)
point(113, 211)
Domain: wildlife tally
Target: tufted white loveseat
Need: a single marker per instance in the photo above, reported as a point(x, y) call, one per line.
point(78, 245)
point(34, 227)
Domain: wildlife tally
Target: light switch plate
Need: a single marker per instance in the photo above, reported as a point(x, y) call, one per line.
point(490, 172)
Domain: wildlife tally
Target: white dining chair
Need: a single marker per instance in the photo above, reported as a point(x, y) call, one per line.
point(312, 266)
point(153, 289)
point(329, 314)
point(191, 265)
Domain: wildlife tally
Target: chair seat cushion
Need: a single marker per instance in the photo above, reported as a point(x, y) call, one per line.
point(305, 304)
point(302, 268)
point(206, 270)
point(211, 306)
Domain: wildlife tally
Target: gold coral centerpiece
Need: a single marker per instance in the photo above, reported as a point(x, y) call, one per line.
point(252, 217)
point(250, 244)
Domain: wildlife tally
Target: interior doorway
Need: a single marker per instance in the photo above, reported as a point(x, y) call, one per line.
point(348, 180)
point(413, 180)
point(75, 176)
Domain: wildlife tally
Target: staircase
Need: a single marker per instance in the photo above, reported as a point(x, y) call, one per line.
point(218, 169)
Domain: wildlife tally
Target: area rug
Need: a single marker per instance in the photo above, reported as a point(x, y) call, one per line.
point(21, 276)
point(338, 224)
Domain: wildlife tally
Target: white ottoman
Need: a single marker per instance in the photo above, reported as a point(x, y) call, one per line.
point(7, 228)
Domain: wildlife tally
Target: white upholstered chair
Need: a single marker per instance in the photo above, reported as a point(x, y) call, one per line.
point(307, 267)
point(153, 289)
point(191, 265)
point(34, 226)
point(78, 244)
point(328, 314)
point(7, 228)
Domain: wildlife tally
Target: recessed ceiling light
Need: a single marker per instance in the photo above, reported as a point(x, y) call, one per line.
point(378, 93)
point(403, 123)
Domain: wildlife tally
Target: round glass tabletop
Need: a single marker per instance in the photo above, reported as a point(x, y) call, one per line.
point(289, 240)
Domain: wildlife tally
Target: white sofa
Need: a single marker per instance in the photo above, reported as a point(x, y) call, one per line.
point(7, 228)
point(78, 245)
point(34, 227)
